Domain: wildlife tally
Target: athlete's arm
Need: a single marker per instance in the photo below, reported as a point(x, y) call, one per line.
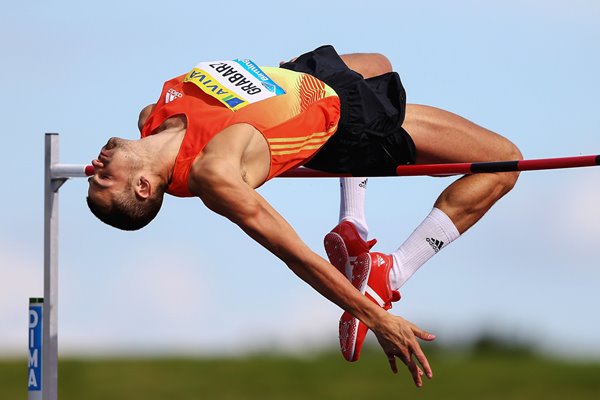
point(217, 180)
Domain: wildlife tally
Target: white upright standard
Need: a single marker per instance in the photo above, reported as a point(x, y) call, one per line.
point(54, 176)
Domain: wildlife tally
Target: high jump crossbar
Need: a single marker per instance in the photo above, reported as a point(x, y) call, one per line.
point(469, 168)
point(73, 170)
point(56, 174)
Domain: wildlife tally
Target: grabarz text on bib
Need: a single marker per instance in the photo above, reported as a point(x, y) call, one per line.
point(235, 83)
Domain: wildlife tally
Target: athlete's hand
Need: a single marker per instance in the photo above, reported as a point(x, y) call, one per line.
point(398, 338)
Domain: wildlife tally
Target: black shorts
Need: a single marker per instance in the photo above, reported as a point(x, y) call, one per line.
point(370, 140)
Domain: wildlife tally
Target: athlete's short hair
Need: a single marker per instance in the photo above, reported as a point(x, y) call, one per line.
point(126, 211)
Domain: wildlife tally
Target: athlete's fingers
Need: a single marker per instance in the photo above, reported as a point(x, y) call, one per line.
point(392, 361)
point(422, 360)
point(406, 357)
point(415, 372)
point(421, 334)
point(416, 349)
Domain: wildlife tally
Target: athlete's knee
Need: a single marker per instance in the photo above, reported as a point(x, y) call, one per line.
point(368, 64)
point(510, 152)
point(382, 63)
point(378, 64)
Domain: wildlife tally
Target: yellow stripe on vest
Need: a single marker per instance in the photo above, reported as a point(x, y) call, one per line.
point(299, 138)
point(303, 148)
point(299, 144)
point(285, 146)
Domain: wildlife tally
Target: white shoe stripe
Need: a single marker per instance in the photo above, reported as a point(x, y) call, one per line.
point(375, 296)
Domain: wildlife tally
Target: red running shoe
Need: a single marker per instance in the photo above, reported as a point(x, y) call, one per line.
point(343, 244)
point(371, 276)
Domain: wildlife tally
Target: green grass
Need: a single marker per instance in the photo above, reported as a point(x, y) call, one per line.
point(486, 374)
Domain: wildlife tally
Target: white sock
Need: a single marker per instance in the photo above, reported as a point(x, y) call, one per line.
point(352, 203)
point(435, 232)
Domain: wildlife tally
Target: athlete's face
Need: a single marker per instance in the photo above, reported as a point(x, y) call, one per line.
point(111, 170)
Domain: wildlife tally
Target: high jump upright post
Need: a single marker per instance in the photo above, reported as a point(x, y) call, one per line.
point(55, 175)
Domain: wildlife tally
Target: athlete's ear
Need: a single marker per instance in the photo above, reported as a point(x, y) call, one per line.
point(143, 188)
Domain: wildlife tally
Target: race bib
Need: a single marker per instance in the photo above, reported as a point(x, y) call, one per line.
point(234, 83)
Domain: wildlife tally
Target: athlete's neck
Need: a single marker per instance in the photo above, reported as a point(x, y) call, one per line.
point(159, 151)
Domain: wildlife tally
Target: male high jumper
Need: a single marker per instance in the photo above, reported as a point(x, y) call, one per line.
point(227, 127)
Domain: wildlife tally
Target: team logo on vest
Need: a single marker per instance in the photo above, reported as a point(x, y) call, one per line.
point(171, 95)
point(234, 83)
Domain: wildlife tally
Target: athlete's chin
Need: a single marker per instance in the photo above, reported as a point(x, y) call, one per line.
point(113, 143)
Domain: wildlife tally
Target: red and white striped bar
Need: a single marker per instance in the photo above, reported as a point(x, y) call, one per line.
point(498, 166)
point(63, 171)
point(68, 170)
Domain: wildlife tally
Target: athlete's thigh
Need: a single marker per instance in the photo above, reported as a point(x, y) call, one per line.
point(443, 137)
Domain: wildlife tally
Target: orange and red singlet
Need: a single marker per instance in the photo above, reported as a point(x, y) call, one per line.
point(295, 124)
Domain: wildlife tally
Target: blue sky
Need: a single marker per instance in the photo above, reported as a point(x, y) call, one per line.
point(194, 283)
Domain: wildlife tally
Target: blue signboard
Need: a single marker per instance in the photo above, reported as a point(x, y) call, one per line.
point(34, 375)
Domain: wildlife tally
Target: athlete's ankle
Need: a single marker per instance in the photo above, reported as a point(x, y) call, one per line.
point(435, 232)
point(361, 226)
